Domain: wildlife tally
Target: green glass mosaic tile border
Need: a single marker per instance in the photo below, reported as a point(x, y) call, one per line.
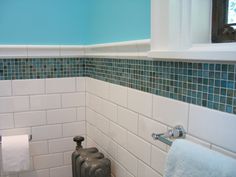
point(41, 68)
point(210, 85)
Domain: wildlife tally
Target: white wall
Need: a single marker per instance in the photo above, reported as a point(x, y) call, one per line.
point(120, 122)
point(53, 111)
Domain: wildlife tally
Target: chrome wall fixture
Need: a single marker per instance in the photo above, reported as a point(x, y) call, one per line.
point(168, 137)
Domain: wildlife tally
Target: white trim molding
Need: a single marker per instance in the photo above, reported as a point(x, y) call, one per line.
point(129, 49)
point(223, 52)
point(13, 51)
point(139, 49)
point(39, 51)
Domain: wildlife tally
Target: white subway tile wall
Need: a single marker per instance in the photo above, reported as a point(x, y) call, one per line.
point(136, 115)
point(53, 111)
point(116, 119)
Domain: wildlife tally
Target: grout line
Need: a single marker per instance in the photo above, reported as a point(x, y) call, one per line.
point(122, 147)
point(111, 121)
point(85, 82)
point(188, 119)
point(129, 110)
point(126, 136)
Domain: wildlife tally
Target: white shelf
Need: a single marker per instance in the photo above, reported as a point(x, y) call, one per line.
point(225, 52)
point(128, 49)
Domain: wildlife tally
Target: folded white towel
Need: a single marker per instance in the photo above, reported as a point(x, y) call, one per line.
point(186, 159)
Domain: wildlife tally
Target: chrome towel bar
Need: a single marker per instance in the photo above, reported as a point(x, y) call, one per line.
point(30, 138)
point(167, 137)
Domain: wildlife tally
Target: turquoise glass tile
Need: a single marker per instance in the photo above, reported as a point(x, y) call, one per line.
point(11, 69)
point(210, 85)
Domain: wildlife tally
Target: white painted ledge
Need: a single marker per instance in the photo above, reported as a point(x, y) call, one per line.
point(139, 49)
point(128, 49)
point(224, 52)
point(13, 51)
point(39, 51)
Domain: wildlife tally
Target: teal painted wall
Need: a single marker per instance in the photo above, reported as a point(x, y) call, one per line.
point(117, 20)
point(46, 22)
point(42, 21)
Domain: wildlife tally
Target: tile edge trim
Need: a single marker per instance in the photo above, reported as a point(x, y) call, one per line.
point(126, 49)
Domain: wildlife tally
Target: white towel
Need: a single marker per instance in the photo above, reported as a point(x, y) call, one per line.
point(186, 159)
point(15, 153)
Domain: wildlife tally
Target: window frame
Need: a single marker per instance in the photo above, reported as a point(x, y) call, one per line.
point(200, 51)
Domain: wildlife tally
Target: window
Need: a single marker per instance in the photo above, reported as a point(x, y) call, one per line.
point(224, 21)
point(182, 29)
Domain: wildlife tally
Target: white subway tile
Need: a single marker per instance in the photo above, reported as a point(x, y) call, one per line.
point(73, 99)
point(118, 134)
point(48, 161)
point(140, 102)
point(15, 131)
point(127, 160)
point(102, 124)
point(5, 88)
point(91, 116)
point(94, 102)
point(170, 112)
point(148, 126)
point(213, 126)
point(6, 121)
point(81, 115)
point(60, 85)
point(109, 110)
point(146, 171)
point(158, 159)
point(61, 116)
point(14, 104)
point(97, 87)
point(98, 137)
point(67, 157)
point(46, 132)
point(38, 148)
point(128, 174)
point(61, 145)
point(128, 119)
point(81, 84)
point(118, 94)
point(198, 141)
point(110, 146)
point(36, 173)
point(90, 142)
point(26, 119)
point(106, 108)
point(224, 151)
point(117, 170)
point(40, 102)
point(139, 147)
point(28, 87)
point(86, 99)
point(73, 129)
point(43, 50)
point(90, 130)
point(64, 171)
